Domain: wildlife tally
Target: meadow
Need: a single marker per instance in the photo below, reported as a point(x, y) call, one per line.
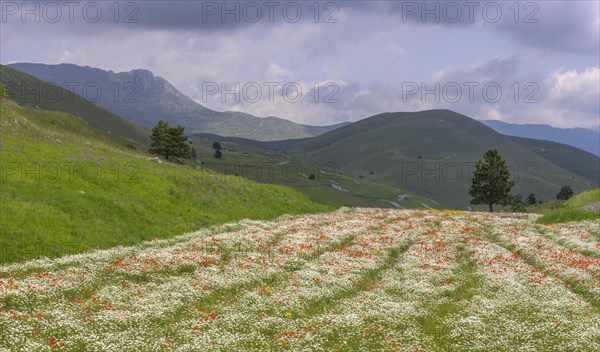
point(67, 187)
point(351, 280)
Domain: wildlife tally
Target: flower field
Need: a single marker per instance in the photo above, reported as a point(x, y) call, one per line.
point(350, 280)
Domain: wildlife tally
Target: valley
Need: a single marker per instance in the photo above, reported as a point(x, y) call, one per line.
point(299, 176)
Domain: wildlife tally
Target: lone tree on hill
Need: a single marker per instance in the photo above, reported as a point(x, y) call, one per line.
point(565, 193)
point(169, 141)
point(490, 184)
point(217, 145)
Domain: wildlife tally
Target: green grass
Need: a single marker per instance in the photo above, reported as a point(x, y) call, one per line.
point(584, 198)
point(66, 187)
point(570, 210)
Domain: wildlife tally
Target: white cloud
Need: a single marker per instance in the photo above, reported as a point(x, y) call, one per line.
point(274, 72)
point(577, 86)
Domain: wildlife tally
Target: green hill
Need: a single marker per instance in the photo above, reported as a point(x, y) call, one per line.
point(578, 161)
point(32, 92)
point(66, 187)
point(431, 153)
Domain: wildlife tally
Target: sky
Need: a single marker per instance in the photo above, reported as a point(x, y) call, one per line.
point(326, 62)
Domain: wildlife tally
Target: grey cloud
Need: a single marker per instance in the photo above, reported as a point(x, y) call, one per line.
point(567, 26)
point(204, 16)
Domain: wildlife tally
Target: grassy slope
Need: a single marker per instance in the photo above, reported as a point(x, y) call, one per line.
point(50, 97)
point(570, 210)
point(241, 156)
point(583, 199)
point(127, 198)
point(388, 144)
point(576, 160)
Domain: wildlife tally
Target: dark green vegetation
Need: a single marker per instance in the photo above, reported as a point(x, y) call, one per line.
point(68, 187)
point(569, 210)
point(565, 193)
point(169, 141)
point(432, 154)
point(30, 91)
point(531, 200)
point(491, 181)
point(144, 99)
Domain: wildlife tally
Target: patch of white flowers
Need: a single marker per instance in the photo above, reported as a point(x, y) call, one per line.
point(354, 279)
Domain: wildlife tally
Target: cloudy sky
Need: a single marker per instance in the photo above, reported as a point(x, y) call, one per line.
point(533, 62)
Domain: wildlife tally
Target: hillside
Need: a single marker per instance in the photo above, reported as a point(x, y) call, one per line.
point(273, 163)
point(353, 280)
point(581, 138)
point(142, 98)
point(585, 198)
point(32, 92)
point(431, 152)
point(285, 144)
point(68, 187)
point(568, 157)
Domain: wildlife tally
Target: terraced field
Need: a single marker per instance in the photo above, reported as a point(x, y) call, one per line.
point(351, 280)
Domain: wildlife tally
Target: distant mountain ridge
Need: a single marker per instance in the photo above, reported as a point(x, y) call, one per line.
point(143, 98)
point(581, 138)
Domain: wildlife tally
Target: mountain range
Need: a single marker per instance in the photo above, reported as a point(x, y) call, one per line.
point(143, 98)
point(581, 138)
point(428, 155)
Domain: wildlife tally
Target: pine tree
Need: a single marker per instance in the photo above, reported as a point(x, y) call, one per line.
point(565, 193)
point(169, 141)
point(491, 184)
point(179, 146)
point(160, 139)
